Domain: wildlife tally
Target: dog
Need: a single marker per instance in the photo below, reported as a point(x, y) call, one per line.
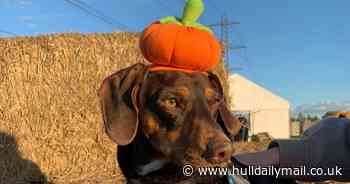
point(161, 117)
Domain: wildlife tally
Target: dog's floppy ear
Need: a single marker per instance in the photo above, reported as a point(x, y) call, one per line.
point(231, 122)
point(225, 118)
point(118, 97)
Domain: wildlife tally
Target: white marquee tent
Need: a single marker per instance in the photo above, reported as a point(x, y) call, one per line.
point(267, 112)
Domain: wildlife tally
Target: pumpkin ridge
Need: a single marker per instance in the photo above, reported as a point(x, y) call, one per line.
point(173, 40)
point(146, 47)
point(210, 53)
point(150, 30)
point(172, 52)
point(145, 36)
point(158, 34)
point(149, 49)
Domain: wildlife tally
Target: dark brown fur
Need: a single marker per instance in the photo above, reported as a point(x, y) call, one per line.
point(174, 116)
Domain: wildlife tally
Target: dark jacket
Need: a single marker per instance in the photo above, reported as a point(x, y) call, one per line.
point(323, 148)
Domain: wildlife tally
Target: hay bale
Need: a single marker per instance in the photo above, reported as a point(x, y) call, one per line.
point(262, 137)
point(49, 108)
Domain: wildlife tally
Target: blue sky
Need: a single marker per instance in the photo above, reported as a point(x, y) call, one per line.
point(299, 50)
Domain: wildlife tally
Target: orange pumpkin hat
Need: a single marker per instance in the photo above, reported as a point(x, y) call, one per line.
point(181, 43)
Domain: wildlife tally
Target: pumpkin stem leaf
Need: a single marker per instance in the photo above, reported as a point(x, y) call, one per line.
point(192, 11)
point(170, 20)
point(201, 27)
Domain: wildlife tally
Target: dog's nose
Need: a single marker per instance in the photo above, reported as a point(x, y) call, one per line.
point(219, 152)
point(222, 152)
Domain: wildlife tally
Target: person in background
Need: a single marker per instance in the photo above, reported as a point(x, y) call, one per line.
point(325, 145)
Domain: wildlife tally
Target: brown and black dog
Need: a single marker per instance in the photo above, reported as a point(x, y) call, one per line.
point(166, 117)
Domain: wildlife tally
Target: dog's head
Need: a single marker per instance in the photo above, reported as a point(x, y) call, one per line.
point(182, 115)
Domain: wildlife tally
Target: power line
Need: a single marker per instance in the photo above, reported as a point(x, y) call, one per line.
point(225, 25)
point(100, 13)
point(95, 13)
point(8, 32)
point(102, 16)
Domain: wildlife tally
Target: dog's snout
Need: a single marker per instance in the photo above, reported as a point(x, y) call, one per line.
point(219, 151)
point(222, 153)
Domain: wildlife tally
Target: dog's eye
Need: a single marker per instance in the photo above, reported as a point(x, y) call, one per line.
point(214, 100)
point(218, 99)
point(171, 102)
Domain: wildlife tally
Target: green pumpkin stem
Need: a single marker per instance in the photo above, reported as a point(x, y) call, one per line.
point(170, 20)
point(192, 11)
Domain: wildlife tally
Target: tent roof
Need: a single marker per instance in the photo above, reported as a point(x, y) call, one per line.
point(248, 96)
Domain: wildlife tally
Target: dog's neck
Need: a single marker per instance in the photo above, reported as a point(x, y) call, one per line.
point(154, 161)
point(139, 158)
point(152, 166)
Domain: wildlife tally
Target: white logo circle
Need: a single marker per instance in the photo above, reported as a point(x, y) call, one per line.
point(187, 170)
